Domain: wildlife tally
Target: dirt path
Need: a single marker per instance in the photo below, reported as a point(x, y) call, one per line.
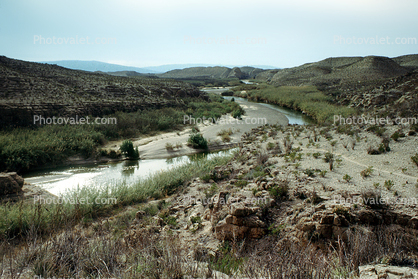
point(366, 166)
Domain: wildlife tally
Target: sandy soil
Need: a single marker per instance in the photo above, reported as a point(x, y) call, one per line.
point(155, 147)
point(395, 165)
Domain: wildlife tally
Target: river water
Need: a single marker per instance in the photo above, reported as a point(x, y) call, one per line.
point(59, 180)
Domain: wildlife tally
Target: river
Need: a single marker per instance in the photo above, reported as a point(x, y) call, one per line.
point(59, 180)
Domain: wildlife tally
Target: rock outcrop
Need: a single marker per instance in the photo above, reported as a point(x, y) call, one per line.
point(380, 271)
point(10, 183)
point(236, 217)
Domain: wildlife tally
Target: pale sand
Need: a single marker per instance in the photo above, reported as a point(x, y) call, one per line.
point(155, 147)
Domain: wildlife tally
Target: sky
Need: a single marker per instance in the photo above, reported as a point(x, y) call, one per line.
point(222, 32)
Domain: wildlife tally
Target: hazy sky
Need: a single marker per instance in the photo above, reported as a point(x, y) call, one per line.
point(228, 32)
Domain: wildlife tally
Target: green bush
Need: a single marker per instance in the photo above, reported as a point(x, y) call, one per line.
point(395, 136)
point(196, 140)
point(127, 149)
point(279, 191)
point(328, 157)
point(238, 112)
point(303, 98)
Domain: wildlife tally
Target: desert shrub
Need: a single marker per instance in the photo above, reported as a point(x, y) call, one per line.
point(340, 210)
point(415, 159)
point(383, 148)
point(379, 131)
point(310, 172)
point(270, 146)
point(328, 157)
point(345, 129)
point(367, 172)
point(225, 132)
point(262, 157)
point(241, 183)
point(225, 260)
point(127, 149)
point(316, 155)
point(169, 146)
point(226, 138)
point(211, 191)
point(238, 112)
point(280, 190)
point(396, 135)
point(196, 140)
point(347, 178)
point(372, 199)
point(388, 184)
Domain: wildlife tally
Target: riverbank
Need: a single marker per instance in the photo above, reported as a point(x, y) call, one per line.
point(155, 147)
point(25, 149)
point(276, 200)
point(306, 99)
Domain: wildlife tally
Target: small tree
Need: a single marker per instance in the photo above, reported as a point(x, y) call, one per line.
point(127, 149)
point(196, 140)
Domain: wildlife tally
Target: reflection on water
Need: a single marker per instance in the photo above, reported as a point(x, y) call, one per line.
point(58, 180)
point(129, 167)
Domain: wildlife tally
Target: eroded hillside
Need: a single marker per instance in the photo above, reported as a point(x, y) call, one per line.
point(28, 89)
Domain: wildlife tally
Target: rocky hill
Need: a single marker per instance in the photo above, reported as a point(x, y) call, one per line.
point(397, 96)
point(342, 70)
point(212, 73)
point(408, 61)
point(28, 89)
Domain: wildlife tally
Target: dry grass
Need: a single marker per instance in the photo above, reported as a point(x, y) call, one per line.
point(145, 252)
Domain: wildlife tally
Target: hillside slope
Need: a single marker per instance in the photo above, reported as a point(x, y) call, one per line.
point(28, 89)
point(212, 73)
point(341, 70)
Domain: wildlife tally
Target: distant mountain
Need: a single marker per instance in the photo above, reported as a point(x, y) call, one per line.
point(170, 67)
point(216, 72)
point(94, 66)
point(114, 69)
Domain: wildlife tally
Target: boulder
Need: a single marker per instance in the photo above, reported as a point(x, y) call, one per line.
point(10, 183)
